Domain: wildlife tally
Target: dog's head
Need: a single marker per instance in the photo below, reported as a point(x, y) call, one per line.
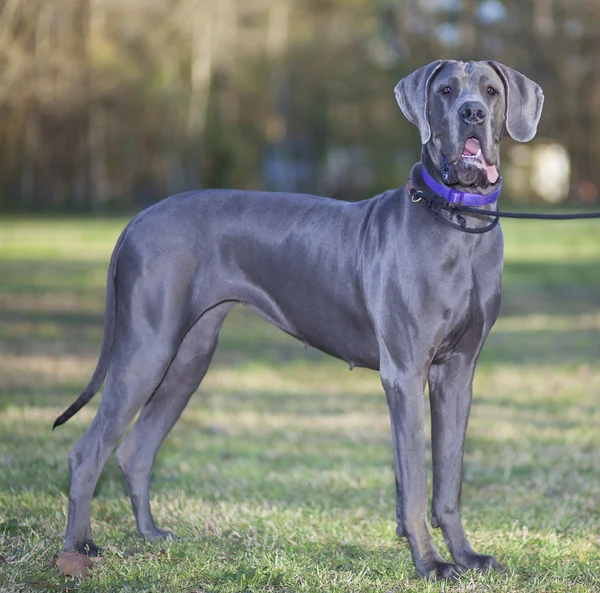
point(461, 109)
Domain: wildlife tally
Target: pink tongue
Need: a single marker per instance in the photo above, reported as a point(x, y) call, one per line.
point(472, 147)
point(491, 172)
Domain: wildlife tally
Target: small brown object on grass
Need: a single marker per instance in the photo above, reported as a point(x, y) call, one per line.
point(74, 564)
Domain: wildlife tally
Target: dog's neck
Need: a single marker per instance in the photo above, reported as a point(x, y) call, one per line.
point(473, 220)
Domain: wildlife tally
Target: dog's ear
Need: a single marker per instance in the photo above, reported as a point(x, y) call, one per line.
point(412, 94)
point(524, 102)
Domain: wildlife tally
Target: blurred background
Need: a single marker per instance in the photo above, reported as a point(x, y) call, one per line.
point(111, 105)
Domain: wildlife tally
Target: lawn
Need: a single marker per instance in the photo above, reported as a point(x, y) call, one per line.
point(279, 475)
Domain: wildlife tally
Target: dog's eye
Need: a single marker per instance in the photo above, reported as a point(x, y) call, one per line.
point(447, 90)
point(492, 91)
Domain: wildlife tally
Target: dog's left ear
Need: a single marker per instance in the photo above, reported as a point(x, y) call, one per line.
point(412, 94)
point(524, 101)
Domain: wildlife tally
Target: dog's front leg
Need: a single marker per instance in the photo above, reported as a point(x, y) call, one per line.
point(404, 392)
point(451, 388)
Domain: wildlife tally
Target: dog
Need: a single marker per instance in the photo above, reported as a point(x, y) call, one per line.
point(380, 283)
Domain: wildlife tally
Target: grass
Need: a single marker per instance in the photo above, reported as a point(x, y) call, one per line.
point(278, 477)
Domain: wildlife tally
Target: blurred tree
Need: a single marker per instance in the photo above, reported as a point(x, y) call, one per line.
point(117, 103)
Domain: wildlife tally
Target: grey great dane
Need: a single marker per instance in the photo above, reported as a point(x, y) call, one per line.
point(380, 283)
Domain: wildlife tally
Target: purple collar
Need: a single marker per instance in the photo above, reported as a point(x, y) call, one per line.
point(459, 197)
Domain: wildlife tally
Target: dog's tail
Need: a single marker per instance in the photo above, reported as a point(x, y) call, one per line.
point(107, 340)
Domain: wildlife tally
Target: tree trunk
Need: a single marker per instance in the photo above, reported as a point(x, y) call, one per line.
point(28, 168)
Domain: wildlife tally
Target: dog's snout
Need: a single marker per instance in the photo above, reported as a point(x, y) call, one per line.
point(472, 112)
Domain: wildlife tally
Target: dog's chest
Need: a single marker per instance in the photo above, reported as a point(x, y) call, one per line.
point(468, 293)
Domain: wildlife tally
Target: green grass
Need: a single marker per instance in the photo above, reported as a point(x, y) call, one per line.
point(279, 478)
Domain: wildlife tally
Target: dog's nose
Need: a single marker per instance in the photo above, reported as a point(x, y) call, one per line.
point(472, 112)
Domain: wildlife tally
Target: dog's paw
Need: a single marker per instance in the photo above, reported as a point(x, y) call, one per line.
point(481, 562)
point(157, 534)
point(440, 571)
point(88, 548)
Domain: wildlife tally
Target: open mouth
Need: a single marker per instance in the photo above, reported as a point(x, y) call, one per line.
point(472, 152)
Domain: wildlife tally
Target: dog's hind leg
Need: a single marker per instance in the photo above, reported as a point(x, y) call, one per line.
point(136, 454)
point(134, 375)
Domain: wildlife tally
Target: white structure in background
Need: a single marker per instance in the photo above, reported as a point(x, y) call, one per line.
point(550, 171)
point(542, 169)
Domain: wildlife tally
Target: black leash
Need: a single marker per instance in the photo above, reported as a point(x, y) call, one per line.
point(531, 215)
point(435, 204)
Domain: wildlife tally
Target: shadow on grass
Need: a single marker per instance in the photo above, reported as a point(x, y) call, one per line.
point(523, 300)
point(552, 274)
point(51, 276)
point(545, 347)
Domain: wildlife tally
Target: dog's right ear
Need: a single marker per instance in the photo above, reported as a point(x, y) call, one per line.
point(412, 94)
